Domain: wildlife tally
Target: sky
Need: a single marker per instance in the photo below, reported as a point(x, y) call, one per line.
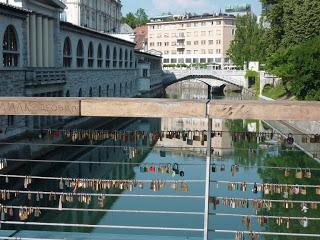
point(157, 7)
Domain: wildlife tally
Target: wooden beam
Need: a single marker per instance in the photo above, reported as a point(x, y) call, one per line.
point(41, 106)
point(143, 107)
point(160, 108)
point(265, 110)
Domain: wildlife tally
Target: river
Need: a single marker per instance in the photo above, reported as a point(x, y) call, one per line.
point(178, 209)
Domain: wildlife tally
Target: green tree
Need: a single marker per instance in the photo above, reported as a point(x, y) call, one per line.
point(130, 19)
point(141, 17)
point(298, 66)
point(248, 42)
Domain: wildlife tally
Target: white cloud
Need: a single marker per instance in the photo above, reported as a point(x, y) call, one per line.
point(180, 6)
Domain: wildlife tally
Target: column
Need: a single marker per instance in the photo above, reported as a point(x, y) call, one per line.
point(51, 43)
point(39, 42)
point(45, 42)
point(33, 41)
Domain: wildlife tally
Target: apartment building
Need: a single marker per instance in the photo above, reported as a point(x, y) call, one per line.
point(100, 15)
point(192, 38)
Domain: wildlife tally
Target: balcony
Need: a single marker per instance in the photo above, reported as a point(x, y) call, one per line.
point(181, 37)
point(181, 46)
point(45, 76)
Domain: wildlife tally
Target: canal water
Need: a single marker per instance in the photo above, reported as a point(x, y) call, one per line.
point(234, 159)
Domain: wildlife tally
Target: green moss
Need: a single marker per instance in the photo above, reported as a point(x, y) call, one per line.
point(275, 92)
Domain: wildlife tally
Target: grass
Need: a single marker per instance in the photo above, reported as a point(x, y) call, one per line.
point(275, 92)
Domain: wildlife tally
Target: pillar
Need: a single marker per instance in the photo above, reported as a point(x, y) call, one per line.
point(39, 42)
point(51, 42)
point(45, 42)
point(33, 41)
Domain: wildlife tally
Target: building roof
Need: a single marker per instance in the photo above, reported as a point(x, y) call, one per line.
point(148, 54)
point(94, 32)
point(14, 8)
point(125, 28)
point(54, 3)
point(187, 17)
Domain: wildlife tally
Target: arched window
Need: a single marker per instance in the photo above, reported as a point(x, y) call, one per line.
point(120, 58)
point(100, 91)
point(90, 92)
point(68, 94)
point(80, 57)
point(114, 89)
point(131, 59)
point(10, 48)
point(100, 56)
point(115, 57)
point(80, 92)
point(126, 89)
point(108, 57)
point(108, 90)
point(67, 58)
point(90, 55)
point(120, 89)
point(126, 58)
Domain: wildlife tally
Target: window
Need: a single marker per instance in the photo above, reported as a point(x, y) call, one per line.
point(210, 42)
point(188, 51)
point(203, 60)
point(151, 44)
point(218, 41)
point(114, 89)
point(120, 89)
point(166, 52)
point(10, 48)
point(195, 34)
point(180, 60)
point(131, 59)
point(196, 42)
point(100, 60)
point(210, 51)
point(219, 32)
point(80, 54)
point(108, 57)
point(166, 44)
point(10, 120)
point(173, 52)
point(166, 60)
point(233, 32)
point(173, 43)
point(159, 35)
point(210, 33)
point(203, 42)
point(120, 58)
point(188, 60)
point(188, 42)
point(68, 93)
point(203, 33)
point(126, 58)
point(173, 60)
point(90, 92)
point(166, 35)
point(218, 51)
point(188, 24)
point(145, 72)
point(218, 22)
point(195, 51)
point(188, 34)
point(173, 34)
point(114, 57)
point(90, 55)
point(195, 24)
point(159, 44)
point(203, 24)
point(80, 92)
point(67, 58)
point(203, 51)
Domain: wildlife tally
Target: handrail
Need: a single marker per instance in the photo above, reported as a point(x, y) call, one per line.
point(160, 108)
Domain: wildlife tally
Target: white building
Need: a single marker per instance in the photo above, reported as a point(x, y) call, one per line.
point(100, 15)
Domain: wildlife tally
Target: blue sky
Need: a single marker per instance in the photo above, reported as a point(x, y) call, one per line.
point(156, 7)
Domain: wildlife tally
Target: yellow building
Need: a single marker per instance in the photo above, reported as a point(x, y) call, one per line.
point(192, 39)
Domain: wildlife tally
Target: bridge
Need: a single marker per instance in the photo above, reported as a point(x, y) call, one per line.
point(213, 78)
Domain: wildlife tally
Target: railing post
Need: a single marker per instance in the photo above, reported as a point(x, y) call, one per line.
point(207, 187)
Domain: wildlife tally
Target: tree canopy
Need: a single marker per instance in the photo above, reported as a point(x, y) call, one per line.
point(248, 41)
point(137, 19)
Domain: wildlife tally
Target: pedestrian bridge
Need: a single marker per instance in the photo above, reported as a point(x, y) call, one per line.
point(213, 78)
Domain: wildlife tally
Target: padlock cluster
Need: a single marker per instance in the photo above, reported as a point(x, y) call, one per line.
point(3, 163)
point(171, 169)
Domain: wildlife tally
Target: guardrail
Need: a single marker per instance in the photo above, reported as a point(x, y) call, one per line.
point(160, 108)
